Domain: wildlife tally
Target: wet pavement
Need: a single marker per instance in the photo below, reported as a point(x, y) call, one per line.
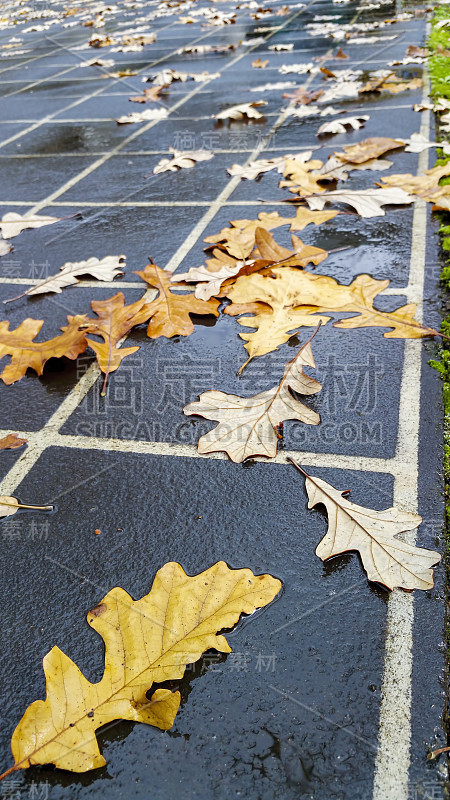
point(335, 691)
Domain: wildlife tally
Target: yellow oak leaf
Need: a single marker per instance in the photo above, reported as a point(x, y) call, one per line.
point(147, 642)
point(115, 319)
point(170, 313)
point(26, 353)
point(290, 299)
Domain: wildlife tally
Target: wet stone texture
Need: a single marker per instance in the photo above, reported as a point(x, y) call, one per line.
point(294, 710)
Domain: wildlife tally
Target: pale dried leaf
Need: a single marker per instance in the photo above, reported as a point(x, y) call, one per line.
point(373, 534)
point(340, 125)
point(12, 224)
point(181, 160)
point(104, 269)
point(281, 47)
point(243, 110)
point(248, 426)
point(142, 116)
point(366, 202)
point(209, 283)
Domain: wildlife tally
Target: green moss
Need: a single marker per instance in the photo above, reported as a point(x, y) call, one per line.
point(439, 71)
point(439, 65)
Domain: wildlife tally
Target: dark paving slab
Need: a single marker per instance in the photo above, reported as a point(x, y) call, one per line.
point(68, 138)
point(259, 741)
point(134, 174)
point(23, 180)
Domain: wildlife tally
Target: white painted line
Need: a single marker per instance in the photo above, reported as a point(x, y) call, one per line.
point(342, 461)
point(393, 756)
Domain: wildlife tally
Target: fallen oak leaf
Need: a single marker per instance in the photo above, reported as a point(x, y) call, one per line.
point(258, 63)
point(169, 313)
point(181, 160)
point(26, 353)
point(151, 95)
point(335, 169)
point(373, 534)
point(142, 116)
point(248, 425)
point(243, 110)
point(104, 269)
point(327, 73)
point(11, 442)
point(414, 50)
point(303, 96)
point(5, 247)
point(340, 125)
point(114, 320)
point(417, 143)
point(256, 168)
point(278, 306)
point(289, 299)
point(340, 54)
point(12, 224)
point(279, 48)
point(346, 90)
point(239, 240)
point(394, 87)
point(147, 642)
point(300, 180)
point(301, 255)
point(366, 202)
point(209, 283)
point(368, 149)
point(375, 82)
point(306, 217)
point(426, 186)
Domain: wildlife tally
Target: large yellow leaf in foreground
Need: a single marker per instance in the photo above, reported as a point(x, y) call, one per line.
point(147, 641)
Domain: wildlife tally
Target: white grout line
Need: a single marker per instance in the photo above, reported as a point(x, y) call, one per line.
point(393, 755)
point(342, 461)
point(197, 118)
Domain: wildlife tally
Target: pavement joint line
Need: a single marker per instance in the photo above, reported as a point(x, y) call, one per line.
point(197, 118)
point(332, 460)
point(394, 741)
point(143, 129)
point(395, 291)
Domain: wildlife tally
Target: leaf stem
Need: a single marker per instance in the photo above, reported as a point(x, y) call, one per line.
point(298, 466)
point(23, 505)
point(435, 753)
point(8, 771)
point(10, 299)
